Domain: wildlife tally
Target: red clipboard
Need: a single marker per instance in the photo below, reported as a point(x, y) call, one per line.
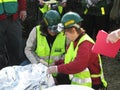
point(104, 48)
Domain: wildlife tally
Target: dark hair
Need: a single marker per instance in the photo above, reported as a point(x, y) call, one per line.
point(43, 27)
point(78, 30)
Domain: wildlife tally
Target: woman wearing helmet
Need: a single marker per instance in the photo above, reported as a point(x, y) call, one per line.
point(83, 66)
point(45, 43)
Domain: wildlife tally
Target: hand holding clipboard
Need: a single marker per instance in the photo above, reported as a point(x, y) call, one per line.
point(104, 48)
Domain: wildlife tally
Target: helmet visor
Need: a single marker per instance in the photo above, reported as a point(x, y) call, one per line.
point(53, 28)
point(56, 28)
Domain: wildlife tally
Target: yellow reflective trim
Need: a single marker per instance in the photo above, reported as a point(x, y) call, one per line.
point(86, 10)
point(88, 84)
point(69, 22)
point(102, 10)
point(95, 76)
point(45, 21)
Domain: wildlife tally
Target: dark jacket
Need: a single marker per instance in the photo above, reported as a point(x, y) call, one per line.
point(96, 10)
point(74, 5)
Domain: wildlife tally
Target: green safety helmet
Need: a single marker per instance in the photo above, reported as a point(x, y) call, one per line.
point(71, 19)
point(52, 18)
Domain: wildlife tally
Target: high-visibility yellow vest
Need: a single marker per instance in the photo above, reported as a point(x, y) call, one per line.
point(60, 9)
point(8, 6)
point(46, 8)
point(43, 50)
point(84, 77)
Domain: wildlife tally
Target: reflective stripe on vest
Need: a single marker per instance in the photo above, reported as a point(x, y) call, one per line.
point(102, 10)
point(43, 50)
point(85, 82)
point(101, 73)
point(86, 11)
point(8, 6)
point(82, 78)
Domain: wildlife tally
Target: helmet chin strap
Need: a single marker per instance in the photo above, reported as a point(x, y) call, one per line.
point(45, 21)
point(76, 25)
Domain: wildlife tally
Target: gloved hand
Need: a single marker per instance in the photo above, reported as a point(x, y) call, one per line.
point(113, 37)
point(52, 69)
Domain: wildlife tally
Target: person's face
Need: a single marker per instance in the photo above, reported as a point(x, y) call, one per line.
point(51, 33)
point(70, 33)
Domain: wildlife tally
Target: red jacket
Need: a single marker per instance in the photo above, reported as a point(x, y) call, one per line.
point(21, 7)
point(85, 58)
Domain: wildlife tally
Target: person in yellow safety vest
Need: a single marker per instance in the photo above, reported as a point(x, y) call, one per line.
point(45, 43)
point(83, 66)
point(96, 16)
point(52, 4)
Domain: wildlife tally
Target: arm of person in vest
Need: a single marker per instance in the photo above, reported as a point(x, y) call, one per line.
point(61, 61)
point(79, 63)
point(30, 49)
point(22, 9)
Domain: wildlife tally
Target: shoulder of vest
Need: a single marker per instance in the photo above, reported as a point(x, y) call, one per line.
point(61, 33)
point(38, 28)
point(86, 37)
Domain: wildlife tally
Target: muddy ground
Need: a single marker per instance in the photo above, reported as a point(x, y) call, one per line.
point(111, 67)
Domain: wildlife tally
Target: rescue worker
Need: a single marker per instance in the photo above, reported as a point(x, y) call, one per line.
point(45, 44)
point(83, 66)
point(46, 5)
point(96, 16)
